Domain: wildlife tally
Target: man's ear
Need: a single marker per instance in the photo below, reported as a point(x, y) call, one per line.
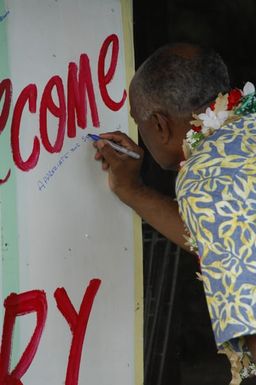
point(162, 126)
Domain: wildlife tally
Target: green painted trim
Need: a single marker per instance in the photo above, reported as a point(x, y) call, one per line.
point(9, 249)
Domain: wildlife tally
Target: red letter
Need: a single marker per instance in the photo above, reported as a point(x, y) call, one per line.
point(78, 324)
point(18, 305)
point(77, 104)
point(105, 78)
point(6, 89)
point(47, 103)
point(28, 94)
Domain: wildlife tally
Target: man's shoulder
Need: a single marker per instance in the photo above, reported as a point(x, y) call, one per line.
point(230, 137)
point(243, 121)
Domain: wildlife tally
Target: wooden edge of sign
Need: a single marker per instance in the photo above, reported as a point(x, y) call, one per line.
point(127, 21)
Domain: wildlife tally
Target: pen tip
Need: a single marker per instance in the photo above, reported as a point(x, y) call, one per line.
point(88, 138)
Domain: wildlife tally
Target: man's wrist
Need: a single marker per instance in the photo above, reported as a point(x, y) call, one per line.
point(130, 193)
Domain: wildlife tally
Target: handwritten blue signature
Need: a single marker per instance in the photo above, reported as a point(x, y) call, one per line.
point(2, 17)
point(43, 182)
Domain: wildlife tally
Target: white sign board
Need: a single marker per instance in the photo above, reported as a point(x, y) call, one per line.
point(70, 284)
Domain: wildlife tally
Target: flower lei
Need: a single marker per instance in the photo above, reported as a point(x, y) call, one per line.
point(226, 109)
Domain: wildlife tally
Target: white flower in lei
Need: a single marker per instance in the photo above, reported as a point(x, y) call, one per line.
point(213, 120)
point(189, 136)
point(248, 89)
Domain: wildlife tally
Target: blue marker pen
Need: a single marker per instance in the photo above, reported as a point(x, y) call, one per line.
point(123, 150)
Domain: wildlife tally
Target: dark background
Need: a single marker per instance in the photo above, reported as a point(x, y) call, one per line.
point(179, 343)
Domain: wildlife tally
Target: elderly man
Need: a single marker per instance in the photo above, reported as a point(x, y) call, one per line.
point(190, 119)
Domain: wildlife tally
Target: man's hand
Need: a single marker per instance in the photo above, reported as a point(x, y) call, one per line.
point(123, 171)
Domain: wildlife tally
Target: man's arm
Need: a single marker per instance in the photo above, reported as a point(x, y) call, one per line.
point(160, 211)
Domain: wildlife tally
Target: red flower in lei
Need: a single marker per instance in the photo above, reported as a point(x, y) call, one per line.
point(212, 106)
point(234, 97)
point(196, 129)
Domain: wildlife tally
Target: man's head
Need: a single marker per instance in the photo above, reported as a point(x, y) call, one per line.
point(169, 86)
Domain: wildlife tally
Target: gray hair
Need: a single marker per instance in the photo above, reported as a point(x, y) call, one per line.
point(178, 84)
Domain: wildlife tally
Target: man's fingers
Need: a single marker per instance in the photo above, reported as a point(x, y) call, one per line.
point(123, 170)
point(120, 138)
point(107, 152)
point(110, 158)
point(98, 155)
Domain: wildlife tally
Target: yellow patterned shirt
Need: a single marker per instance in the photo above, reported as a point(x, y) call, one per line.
point(216, 192)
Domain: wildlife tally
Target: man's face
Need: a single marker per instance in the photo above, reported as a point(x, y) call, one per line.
point(148, 134)
point(165, 154)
